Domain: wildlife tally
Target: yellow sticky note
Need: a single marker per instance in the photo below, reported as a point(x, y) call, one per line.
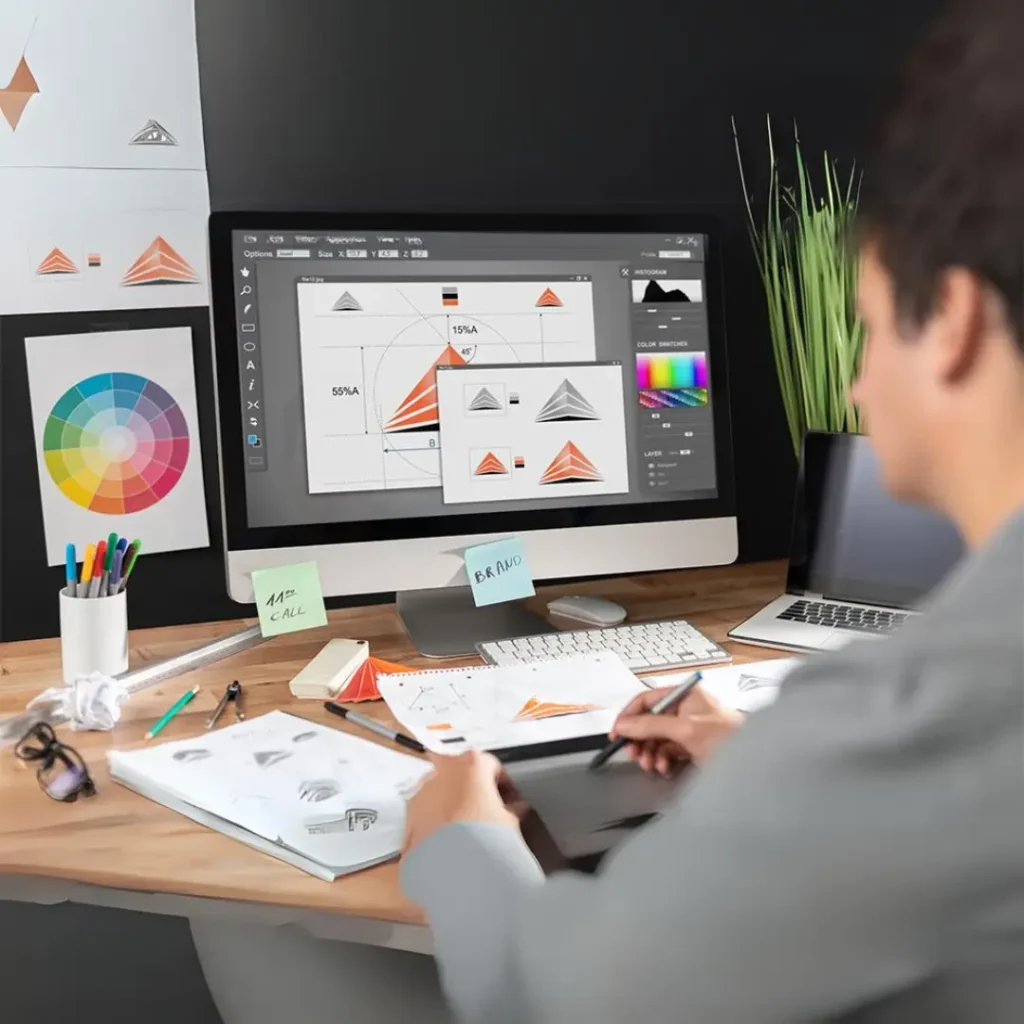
point(289, 598)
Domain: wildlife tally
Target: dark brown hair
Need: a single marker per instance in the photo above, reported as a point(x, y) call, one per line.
point(945, 186)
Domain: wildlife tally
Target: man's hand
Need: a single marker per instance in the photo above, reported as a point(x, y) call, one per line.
point(664, 743)
point(463, 788)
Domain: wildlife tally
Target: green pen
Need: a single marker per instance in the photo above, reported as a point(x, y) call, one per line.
point(107, 565)
point(178, 705)
point(131, 553)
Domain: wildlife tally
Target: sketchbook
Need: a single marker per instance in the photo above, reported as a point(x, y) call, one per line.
point(320, 799)
point(501, 707)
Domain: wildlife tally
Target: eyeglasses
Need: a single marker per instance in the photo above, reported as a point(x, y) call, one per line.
point(62, 774)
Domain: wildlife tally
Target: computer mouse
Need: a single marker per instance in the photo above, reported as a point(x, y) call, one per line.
point(591, 611)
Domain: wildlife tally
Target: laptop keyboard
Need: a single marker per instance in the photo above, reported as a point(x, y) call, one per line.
point(843, 616)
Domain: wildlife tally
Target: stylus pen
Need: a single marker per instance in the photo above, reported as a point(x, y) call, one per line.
point(669, 702)
point(372, 725)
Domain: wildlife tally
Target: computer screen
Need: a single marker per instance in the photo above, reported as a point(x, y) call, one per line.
point(853, 541)
point(404, 375)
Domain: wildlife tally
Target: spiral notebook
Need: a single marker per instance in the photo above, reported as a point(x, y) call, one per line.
point(513, 708)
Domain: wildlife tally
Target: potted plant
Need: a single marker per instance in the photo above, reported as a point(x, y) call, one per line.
point(809, 272)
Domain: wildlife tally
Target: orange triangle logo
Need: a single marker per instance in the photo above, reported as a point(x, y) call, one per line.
point(362, 684)
point(160, 264)
point(535, 709)
point(549, 298)
point(570, 465)
point(56, 263)
point(419, 410)
point(490, 465)
point(21, 88)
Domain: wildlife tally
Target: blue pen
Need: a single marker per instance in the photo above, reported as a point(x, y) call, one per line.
point(115, 569)
point(71, 571)
point(122, 545)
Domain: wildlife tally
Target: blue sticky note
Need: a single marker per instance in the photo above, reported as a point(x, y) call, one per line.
point(498, 572)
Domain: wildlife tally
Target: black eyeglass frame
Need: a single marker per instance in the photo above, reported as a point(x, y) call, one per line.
point(49, 752)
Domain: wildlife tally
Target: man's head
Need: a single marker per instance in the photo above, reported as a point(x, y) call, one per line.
point(942, 293)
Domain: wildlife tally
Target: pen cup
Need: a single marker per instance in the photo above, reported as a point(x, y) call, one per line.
point(93, 635)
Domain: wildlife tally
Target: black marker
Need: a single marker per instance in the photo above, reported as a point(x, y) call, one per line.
point(372, 725)
point(669, 702)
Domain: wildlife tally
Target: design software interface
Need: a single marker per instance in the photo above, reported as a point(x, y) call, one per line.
point(390, 375)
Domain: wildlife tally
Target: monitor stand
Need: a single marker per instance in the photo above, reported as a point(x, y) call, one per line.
point(446, 623)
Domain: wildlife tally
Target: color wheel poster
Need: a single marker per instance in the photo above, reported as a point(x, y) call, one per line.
point(116, 429)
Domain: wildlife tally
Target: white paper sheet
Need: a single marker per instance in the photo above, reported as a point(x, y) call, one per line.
point(125, 435)
point(747, 688)
point(331, 797)
point(494, 707)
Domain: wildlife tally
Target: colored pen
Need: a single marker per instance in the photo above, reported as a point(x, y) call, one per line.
point(669, 702)
point(97, 569)
point(130, 557)
point(115, 571)
point(71, 571)
point(108, 565)
point(171, 712)
point(372, 725)
point(87, 564)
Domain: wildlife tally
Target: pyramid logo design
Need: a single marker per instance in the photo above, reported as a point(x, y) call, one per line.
point(153, 133)
point(535, 709)
point(549, 298)
point(419, 410)
point(484, 402)
point(491, 465)
point(570, 465)
point(566, 404)
point(160, 264)
point(56, 263)
point(347, 302)
point(362, 684)
point(20, 89)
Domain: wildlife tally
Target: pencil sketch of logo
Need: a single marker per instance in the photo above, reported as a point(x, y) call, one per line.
point(265, 758)
point(360, 818)
point(317, 790)
point(191, 755)
point(302, 737)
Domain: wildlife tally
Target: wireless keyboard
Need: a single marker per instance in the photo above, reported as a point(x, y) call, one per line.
point(644, 647)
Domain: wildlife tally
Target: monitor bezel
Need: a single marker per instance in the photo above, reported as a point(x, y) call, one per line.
point(239, 536)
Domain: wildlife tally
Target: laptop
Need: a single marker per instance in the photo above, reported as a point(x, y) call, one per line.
point(859, 561)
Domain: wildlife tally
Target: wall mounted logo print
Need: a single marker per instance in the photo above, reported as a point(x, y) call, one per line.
point(153, 133)
point(56, 263)
point(160, 264)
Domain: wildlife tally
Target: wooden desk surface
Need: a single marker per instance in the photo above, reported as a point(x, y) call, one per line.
point(121, 840)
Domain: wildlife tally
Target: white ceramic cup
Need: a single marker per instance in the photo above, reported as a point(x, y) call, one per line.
point(93, 635)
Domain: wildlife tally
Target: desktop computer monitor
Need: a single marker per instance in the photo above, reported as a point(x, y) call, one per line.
point(394, 389)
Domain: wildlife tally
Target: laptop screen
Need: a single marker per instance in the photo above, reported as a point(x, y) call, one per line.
point(851, 541)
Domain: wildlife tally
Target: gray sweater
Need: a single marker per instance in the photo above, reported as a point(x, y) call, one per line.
point(855, 853)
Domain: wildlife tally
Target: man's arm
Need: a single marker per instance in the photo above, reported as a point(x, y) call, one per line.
point(789, 881)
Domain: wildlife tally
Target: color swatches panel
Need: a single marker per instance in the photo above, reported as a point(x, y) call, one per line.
point(671, 370)
point(116, 443)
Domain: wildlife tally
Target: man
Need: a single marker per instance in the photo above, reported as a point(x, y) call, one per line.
point(856, 851)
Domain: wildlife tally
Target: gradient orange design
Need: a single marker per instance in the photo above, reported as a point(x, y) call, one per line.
point(440, 727)
point(56, 263)
point(20, 89)
point(160, 264)
point(94, 259)
point(549, 298)
point(362, 684)
point(534, 709)
point(569, 465)
point(490, 465)
point(419, 410)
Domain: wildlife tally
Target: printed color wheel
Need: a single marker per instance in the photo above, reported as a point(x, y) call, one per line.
point(116, 443)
